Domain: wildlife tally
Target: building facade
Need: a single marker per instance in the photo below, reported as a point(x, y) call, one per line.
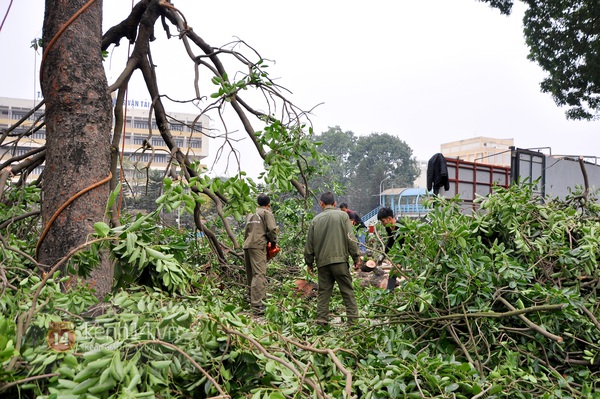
point(421, 180)
point(188, 133)
point(485, 150)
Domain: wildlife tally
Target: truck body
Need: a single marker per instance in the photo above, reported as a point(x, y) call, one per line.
point(554, 176)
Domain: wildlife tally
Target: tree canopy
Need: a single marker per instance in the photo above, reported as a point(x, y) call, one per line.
point(358, 164)
point(564, 39)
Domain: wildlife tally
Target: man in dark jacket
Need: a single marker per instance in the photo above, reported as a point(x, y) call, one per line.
point(329, 244)
point(388, 220)
point(260, 230)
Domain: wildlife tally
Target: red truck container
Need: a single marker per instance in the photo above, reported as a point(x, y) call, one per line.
point(469, 179)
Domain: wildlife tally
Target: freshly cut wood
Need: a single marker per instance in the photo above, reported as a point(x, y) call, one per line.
point(305, 288)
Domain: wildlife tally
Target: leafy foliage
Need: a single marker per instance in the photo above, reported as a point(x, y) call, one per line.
point(517, 255)
point(563, 39)
point(497, 304)
point(505, 6)
point(359, 164)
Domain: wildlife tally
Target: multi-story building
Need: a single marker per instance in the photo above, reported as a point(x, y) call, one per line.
point(485, 150)
point(19, 141)
point(139, 129)
point(421, 181)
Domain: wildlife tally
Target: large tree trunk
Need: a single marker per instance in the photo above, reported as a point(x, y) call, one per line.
point(78, 123)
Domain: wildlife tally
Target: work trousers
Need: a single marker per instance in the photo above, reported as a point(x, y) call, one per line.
point(255, 260)
point(361, 236)
point(329, 275)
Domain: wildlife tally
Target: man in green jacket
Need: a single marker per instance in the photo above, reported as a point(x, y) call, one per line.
point(260, 230)
point(329, 244)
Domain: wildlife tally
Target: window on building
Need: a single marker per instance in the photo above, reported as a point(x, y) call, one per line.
point(195, 143)
point(138, 140)
point(140, 124)
point(16, 115)
point(158, 141)
point(197, 127)
point(39, 135)
point(179, 142)
point(177, 127)
point(141, 157)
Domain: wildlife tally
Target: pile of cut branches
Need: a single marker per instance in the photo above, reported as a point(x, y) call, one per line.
point(496, 304)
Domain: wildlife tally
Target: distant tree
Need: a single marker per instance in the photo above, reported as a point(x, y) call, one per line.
point(335, 144)
point(564, 39)
point(359, 164)
point(376, 157)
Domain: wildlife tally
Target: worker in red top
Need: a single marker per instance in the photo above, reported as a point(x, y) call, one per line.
point(360, 228)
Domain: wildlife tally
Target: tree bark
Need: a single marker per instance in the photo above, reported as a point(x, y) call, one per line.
point(78, 124)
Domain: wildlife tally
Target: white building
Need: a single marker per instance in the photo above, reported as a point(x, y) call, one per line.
point(485, 150)
point(30, 135)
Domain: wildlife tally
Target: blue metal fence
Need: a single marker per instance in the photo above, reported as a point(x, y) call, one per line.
point(370, 215)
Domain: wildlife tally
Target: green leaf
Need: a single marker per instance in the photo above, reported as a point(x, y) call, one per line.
point(495, 389)
point(102, 229)
point(160, 364)
point(113, 197)
point(451, 388)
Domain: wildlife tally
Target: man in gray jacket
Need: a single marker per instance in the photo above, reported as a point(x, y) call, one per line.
point(329, 244)
point(260, 230)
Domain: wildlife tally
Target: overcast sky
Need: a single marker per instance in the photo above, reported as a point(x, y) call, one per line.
point(426, 71)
